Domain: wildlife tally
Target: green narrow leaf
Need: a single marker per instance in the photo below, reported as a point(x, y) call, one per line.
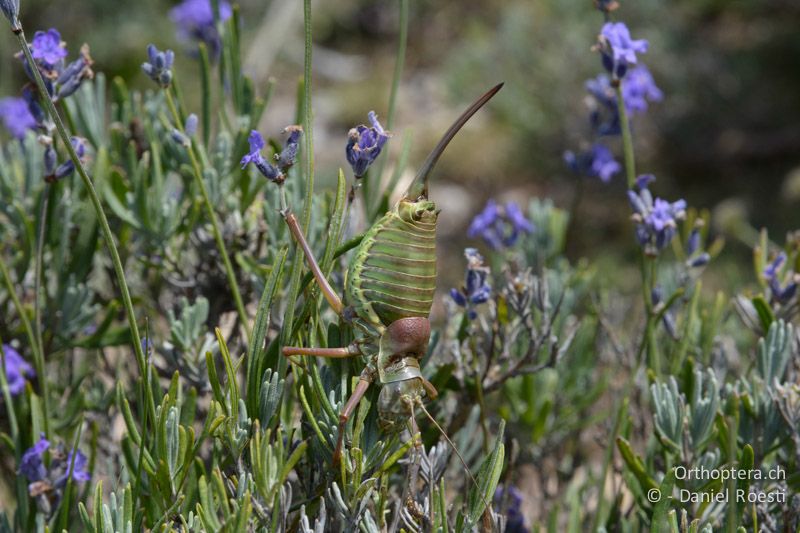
point(487, 477)
point(256, 355)
point(660, 522)
point(765, 314)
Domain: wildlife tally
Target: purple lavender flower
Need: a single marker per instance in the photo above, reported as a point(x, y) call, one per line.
point(71, 77)
point(638, 89)
point(32, 463)
point(617, 49)
point(48, 49)
point(16, 116)
point(17, 369)
point(67, 167)
point(597, 162)
point(476, 290)
point(602, 102)
point(364, 145)
point(158, 65)
point(781, 293)
point(656, 219)
point(195, 22)
point(285, 159)
point(499, 226)
point(10, 9)
point(512, 498)
point(77, 469)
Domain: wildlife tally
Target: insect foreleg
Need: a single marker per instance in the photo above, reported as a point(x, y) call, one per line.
point(335, 353)
point(364, 382)
point(330, 295)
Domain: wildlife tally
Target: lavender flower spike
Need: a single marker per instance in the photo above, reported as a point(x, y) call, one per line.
point(10, 9)
point(639, 89)
point(32, 463)
point(48, 49)
point(364, 145)
point(159, 64)
point(476, 289)
point(17, 369)
point(254, 156)
point(618, 50)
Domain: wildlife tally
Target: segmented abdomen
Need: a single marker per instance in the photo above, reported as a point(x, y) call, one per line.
point(393, 274)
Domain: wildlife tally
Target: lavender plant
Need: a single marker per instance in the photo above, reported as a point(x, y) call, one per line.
point(539, 397)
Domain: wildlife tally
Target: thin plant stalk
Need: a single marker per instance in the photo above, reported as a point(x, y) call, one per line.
point(37, 307)
point(38, 358)
point(627, 139)
point(399, 65)
point(108, 236)
point(212, 215)
point(308, 168)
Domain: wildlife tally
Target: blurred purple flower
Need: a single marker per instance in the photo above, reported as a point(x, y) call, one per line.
point(78, 469)
point(638, 89)
point(476, 290)
point(195, 21)
point(617, 49)
point(17, 369)
point(158, 65)
point(512, 498)
point(499, 226)
point(32, 463)
point(656, 219)
point(67, 167)
point(597, 162)
point(602, 102)
point(364, 145)
point(47, 48)
point(780, 293)
point(16, 116)
point(71, 77)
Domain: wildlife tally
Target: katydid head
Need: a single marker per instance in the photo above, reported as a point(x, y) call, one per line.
point(396, 403)
point(419, 210)
point(419, 187)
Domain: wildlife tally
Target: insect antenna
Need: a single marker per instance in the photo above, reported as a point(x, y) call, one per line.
point(453, 446)
point(419, 187)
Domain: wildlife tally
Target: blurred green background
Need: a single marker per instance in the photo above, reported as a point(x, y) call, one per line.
point(726, 137)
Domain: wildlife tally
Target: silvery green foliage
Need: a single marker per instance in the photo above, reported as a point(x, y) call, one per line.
point(702, 409)
point(774, 352)
point(670, 411)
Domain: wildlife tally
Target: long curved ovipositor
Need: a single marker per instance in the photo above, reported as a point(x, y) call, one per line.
point(419, 187)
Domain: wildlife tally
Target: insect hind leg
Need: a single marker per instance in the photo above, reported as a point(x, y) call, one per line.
point(364, 382)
